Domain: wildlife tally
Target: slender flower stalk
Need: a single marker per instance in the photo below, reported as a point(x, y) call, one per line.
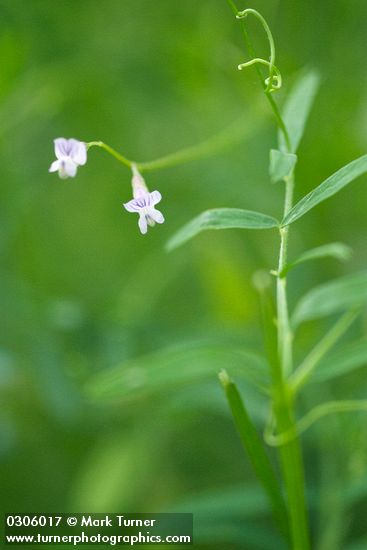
point(121, 158)
point(224, 139)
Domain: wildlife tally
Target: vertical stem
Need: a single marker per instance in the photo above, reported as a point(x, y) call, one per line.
point(284, 131)
point(290, 453)
point(293, 473)
point(284, 329)
point(283, 402)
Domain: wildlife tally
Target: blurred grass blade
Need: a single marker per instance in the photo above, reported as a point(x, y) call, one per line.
point(281, 164)
point(344, 361)
point(332, 297)
point(256, 451)
point(241, 129)
point(221, 218)
point(311, 362)
point(327, 189)
point(339, 251)
point(297, 108)
point(174, 367)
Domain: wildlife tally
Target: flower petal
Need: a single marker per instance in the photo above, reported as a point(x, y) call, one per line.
point(55, 166)
point(143, 226)
point(61, 147)
point(141, 193)
point(155, 197)
point(131, 206)
point(67, 169)
point(78, 151)
point(156, 215)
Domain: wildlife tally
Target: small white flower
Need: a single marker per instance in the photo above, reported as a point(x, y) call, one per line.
point(70, 154)
point(144, 202)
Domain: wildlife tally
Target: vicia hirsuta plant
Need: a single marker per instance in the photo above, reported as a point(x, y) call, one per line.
point(287, 379)
point(287, 496)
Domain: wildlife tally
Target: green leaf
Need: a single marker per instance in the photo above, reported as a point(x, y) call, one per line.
point(327, 189)
point(297, 108)
point(346, 360)
point(281, 164)
point(332, 297)
point(173, 367)
point(256, 451)
point(339, 251)
point(222, 218)
point(315, 356)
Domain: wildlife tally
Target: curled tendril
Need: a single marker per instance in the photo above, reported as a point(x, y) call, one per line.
point(274, 81)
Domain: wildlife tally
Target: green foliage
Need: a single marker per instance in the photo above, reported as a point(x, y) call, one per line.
point(168, 369)
point(323, 346)
point(332, 297)
point(256, 452)
point(327, 189)
point(339, 251)
point(222, 218)
point(82, 291)
point(297, 109)
point(342, 362)
point(281, 165)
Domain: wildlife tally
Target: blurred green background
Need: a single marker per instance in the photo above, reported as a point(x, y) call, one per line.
point(82, 291)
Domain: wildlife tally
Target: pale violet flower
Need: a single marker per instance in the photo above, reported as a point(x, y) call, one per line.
point(144, 202)
point(70, 154)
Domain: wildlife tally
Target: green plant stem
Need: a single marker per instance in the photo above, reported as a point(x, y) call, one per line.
point(224, 139)
point(285, 336)
point(268, 94)
point(112, 152)
point(293, 472)
point(290, 453)
point(281, 124)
